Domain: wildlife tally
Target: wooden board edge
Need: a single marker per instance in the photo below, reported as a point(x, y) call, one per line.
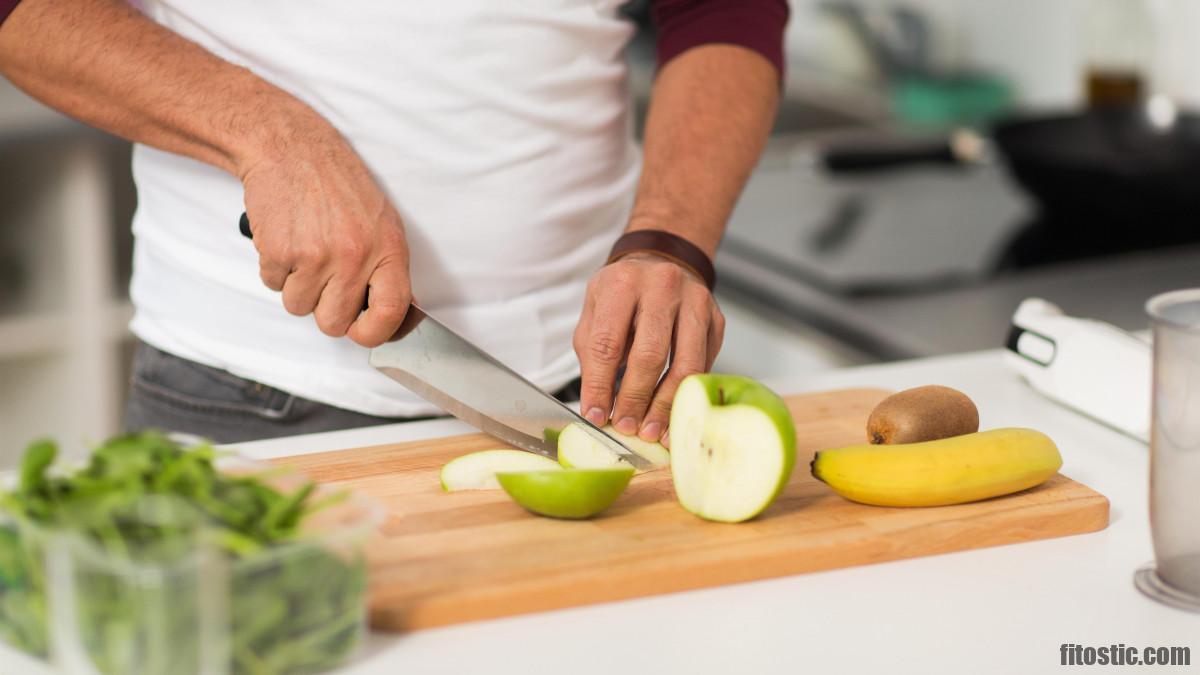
point(1085, 514)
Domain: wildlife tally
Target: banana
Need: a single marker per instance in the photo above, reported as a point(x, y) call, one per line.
point(952, 470)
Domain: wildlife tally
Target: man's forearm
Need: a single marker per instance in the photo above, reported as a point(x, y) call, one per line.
point(710, 114)
point(102, 62)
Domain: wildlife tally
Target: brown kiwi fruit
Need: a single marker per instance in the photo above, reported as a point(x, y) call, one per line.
point(922, 414)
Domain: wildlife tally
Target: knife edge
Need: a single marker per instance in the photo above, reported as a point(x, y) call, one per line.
point(437, 363)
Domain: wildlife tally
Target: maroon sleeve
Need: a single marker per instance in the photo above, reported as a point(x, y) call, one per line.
point(6, 8)
point(754, 24)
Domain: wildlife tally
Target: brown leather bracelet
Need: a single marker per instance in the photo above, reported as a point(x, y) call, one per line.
point(670, 246)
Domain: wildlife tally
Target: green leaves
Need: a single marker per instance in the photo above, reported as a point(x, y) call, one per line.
point(38, 457)
point(294, 606)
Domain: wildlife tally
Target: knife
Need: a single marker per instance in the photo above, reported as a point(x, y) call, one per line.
point(444, 368)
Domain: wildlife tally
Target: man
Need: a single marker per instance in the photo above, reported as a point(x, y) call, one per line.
point(474, 153)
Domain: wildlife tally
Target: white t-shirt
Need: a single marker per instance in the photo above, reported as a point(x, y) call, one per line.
point(501, 131)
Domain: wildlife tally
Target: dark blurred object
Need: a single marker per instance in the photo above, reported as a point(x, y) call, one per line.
point(1106, 181)
point(12, 276)
point(1108, 88)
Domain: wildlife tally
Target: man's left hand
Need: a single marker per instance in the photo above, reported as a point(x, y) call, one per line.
point(646, 313)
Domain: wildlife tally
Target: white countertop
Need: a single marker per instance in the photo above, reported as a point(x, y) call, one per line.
point(998, 610)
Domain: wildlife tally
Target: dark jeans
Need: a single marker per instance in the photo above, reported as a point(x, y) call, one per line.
point(173, 394)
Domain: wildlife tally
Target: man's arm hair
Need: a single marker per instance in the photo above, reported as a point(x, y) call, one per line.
point(713, 102)
point(104, 63)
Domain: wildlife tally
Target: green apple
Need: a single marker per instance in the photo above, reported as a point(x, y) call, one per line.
point(566, 493)
point(733, 446)
point(578, 449)
point(655, 453)
point(477, 471)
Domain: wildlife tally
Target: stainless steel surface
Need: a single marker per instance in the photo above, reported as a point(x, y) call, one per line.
point(905, 265)
point(448, 371)
point(1148, 581)
point(965, 319)
point(1175, 449)
point(910, 230)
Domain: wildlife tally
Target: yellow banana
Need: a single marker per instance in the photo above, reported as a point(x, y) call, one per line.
point(935, 473)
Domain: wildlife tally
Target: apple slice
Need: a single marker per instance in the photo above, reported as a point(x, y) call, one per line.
point(655, 453)
point(733, 446)
point(566, 493)
point(477, 471)
point(577, 449)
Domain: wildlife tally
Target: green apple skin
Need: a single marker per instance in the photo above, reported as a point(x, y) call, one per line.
point(733, 446)
point(477, 470)
point(566, 493)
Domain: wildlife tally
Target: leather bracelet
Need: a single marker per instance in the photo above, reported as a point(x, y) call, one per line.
point(666, 245)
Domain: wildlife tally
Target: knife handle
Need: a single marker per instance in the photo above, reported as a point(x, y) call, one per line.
point(244, 227)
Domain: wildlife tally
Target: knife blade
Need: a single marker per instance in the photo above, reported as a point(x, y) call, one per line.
point(444, 368)
point(448, 371)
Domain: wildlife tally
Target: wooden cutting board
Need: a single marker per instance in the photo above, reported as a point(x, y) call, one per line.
point(448, 558)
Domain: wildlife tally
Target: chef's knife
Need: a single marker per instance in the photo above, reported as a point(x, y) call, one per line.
point(445, 369)
point(448, 371)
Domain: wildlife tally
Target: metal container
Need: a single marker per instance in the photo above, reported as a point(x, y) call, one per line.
point(1174, 577)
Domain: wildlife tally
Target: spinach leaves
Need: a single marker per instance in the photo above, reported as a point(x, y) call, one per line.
point(143, 502)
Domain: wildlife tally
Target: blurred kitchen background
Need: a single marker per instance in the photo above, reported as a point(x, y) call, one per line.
point(899, 210)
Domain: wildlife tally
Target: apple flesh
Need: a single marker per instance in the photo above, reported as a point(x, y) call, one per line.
point(566, 493)
point(579, 450)
point(655, 453)
point(477, 471)
point(733, 446)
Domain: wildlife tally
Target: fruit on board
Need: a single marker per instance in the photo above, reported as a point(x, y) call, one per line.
point(936, 473)
point(477, 471)
point(578, 449)
point(566, 493)
point(733, 446)
point(926, 413)
point(655, 453)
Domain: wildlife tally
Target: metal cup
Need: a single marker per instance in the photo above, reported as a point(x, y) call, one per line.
point(1174, 577)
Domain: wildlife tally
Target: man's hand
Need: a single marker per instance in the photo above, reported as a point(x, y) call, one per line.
point(644, 312)
point(323, 228)
point(710, 113)
point(325, 232)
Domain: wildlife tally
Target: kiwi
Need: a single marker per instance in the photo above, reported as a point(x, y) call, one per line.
point(922, 414)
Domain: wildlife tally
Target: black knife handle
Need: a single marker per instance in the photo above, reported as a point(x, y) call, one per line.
point(859, 159)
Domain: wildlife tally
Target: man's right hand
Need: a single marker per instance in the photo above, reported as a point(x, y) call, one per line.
point(324, 230)
point(325, 233)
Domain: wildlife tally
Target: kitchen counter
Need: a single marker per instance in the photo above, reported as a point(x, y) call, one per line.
point(1001, 610)
point(1112, 289)
point(998, 610)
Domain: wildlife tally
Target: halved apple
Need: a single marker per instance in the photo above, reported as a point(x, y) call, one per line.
point(578, 449)
point(566, 493)
point(733, 446)
point(477, 471)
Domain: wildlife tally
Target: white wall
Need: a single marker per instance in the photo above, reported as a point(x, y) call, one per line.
point(1035, 43)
